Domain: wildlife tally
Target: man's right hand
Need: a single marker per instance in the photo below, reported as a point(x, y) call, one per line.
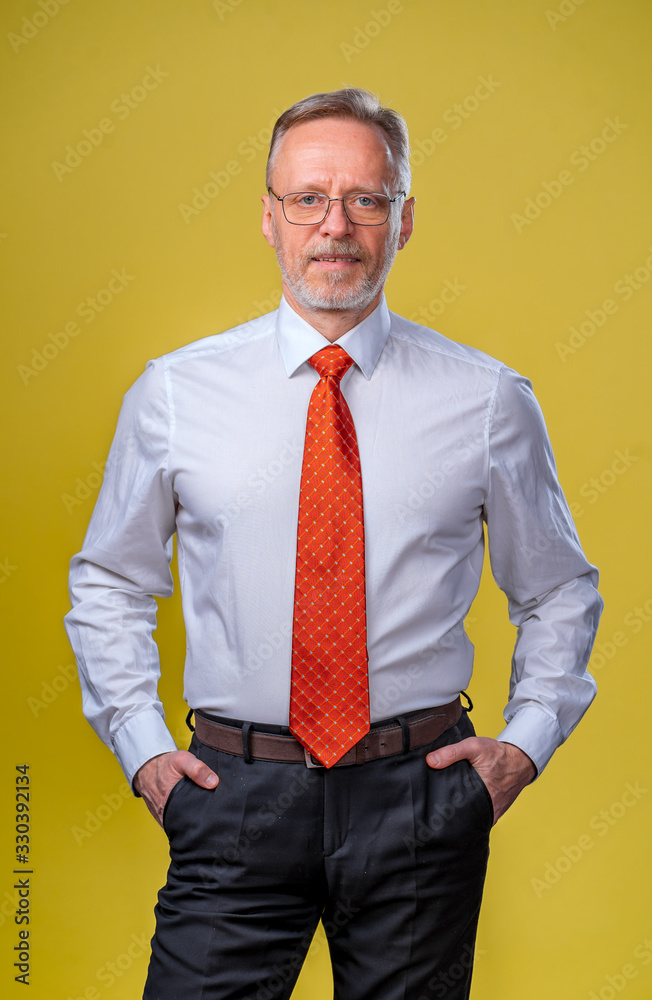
point(158, 776)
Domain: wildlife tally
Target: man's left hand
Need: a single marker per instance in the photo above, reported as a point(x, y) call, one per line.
point(504, 768)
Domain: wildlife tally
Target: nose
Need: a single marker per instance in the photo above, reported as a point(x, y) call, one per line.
point(337, 223)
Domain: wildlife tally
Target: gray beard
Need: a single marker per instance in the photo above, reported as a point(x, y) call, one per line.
point(335, 292)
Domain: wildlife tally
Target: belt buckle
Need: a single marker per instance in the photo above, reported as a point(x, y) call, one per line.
point(310, 760)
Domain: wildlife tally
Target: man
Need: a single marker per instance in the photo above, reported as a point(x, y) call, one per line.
point(324, 606)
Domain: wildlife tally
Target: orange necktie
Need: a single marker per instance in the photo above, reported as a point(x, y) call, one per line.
point(329, 702)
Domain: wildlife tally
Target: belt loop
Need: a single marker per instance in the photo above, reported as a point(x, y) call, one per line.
point(464, 708)
point(188, 722)
point(246, 726)
point(405, 733)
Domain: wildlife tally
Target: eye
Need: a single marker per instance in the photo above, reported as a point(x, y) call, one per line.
point(365, 201)
point(308, 199)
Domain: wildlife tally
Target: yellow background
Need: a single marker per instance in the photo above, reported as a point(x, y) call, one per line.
point(229, 69)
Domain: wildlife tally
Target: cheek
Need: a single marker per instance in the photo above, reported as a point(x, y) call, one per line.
point(378, 250)
point(292, 247)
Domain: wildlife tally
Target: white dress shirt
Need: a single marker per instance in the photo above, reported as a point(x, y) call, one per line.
point(209, 444)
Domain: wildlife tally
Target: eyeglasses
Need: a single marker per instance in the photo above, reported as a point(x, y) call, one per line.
point(307, 208)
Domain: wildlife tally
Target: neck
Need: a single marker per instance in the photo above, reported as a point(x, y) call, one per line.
point(331, 323)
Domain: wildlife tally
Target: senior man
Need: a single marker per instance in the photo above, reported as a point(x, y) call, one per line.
point(328, 469)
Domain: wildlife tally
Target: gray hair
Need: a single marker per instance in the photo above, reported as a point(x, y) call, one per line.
point(359, 105)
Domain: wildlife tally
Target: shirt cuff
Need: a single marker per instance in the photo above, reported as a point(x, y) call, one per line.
point(535, 733)
point(140, 738)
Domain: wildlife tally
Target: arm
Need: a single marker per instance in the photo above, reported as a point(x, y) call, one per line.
point(123, 565)
point(537, 561)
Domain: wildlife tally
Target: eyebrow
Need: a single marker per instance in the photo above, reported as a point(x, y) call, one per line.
point(320, 189)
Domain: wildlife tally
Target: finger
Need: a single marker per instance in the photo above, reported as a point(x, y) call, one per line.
point(197, 771)
point(445, 756)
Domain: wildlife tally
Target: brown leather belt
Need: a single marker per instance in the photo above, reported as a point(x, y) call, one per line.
point(406, 733)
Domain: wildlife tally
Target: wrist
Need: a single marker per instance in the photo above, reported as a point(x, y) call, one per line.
point(145, 769)
point(521, 761)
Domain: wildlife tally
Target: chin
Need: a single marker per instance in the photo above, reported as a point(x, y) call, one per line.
point(334, 296)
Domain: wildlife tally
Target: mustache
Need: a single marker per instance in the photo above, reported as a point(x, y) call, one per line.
point(332, 248)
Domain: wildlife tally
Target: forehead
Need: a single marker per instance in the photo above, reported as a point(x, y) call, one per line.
point(333, 151)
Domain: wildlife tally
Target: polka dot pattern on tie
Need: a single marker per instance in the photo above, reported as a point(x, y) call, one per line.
point(329, 703)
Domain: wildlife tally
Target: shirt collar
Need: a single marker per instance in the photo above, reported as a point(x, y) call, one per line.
point(298, 340)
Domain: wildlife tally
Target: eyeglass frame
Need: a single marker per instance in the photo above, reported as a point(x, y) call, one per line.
point(401, 194)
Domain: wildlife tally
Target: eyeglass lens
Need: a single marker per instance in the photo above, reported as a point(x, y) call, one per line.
point(308, 207)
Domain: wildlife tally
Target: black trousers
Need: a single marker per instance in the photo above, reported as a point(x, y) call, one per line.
point(390, 855)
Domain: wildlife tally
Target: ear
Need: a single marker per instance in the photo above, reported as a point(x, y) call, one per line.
point(407, 222)
point(266, 224)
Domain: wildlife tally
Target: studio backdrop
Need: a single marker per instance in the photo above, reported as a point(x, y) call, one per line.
point(135, 138)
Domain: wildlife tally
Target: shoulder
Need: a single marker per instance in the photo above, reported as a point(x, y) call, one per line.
point(196, 363)
point(458, 367)
point(437, 348)
point(221, 346)
point(219, 350)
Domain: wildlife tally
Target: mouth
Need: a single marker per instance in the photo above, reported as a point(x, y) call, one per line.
point(334, 262)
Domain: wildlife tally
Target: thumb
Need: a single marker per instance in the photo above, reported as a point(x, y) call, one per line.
point(445, 756)
point(207, 778)
point(197, 771)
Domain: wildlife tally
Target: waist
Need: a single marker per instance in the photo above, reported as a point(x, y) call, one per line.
point(258, 741)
